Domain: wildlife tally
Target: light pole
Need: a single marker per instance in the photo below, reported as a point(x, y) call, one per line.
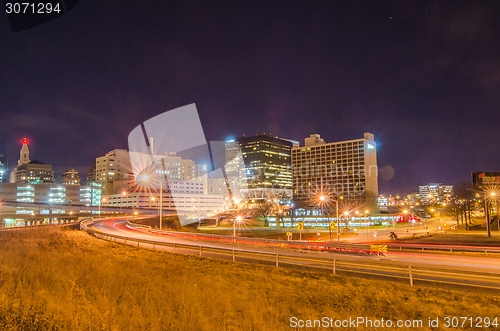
point(346, 214)
point(487, 211)
point(146, 179)
point(124, 193)
point(100, 202)
point(161, 204)
point(413, 225)
point(133, 204)
point(406, 213)
point(337, 217)
point(237, 219)
point(367, 224)
point(322, 199)
point(322, 203)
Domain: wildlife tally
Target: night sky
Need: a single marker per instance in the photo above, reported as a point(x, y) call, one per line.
point(423, 77)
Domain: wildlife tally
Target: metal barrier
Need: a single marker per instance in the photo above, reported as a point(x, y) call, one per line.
point(318, 246)
point(65, 223)
point(384, 270)
point(445, 249)
point(323, 246)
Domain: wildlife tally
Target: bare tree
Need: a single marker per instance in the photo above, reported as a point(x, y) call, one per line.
point(464, 192)
point(455, 210)
point(264, 210)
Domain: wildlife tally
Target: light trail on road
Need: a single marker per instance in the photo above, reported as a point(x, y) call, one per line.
point(421, 259)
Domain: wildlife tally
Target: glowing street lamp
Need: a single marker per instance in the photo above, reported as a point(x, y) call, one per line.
point(100, 202)
point(490, 196)
point(346, 215)
point(238, 220)
point(325, 199)
point(367, 224)
point(124, 193)
point(147, 180)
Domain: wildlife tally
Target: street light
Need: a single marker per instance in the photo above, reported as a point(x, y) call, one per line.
point(490, 196)
point(412, 220)
point(124, 193)
point(100, 202)
point(346, 214)
point(367, 224)
point(146, 179)
point(238, 219)
point(322, 203)
point(322, 199)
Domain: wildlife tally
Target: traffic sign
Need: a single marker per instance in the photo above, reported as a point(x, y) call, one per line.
point(332, 225)
point(382, 249)
point(300, 226)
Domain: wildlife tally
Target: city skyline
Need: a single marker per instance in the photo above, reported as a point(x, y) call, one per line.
point(60, 177)
point(416, 77)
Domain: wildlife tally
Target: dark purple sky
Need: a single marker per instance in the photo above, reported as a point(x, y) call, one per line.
point(424, 77)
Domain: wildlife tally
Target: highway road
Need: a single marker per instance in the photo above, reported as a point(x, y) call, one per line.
point(489, 264)
point(364, 235)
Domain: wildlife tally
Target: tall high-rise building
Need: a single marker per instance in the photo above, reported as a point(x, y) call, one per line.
point(4, 169)
point(266, 167)
point(70, 177)
point(344, 170)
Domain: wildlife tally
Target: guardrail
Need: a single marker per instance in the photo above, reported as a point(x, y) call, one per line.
point(322, 246)
point(374, 269)
point(445, 248)
point(65, 223)
point(260, 242)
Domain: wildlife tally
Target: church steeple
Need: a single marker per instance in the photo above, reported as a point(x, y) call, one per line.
point(24, 155)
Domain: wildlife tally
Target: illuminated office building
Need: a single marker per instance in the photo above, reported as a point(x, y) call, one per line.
point(265, 170)
point(344, 170)
point(435, 193)
point(4, 169)
point(113, 168)
point(34, 172)
point(50, 194)
point(115, 172)
point(70, 177)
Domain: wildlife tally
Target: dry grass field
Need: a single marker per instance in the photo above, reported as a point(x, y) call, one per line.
point(67, 280)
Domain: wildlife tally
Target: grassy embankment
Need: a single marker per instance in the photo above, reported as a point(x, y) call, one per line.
point(66, 280)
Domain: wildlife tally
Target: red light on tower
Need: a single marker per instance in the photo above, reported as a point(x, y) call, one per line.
point(25, 140)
